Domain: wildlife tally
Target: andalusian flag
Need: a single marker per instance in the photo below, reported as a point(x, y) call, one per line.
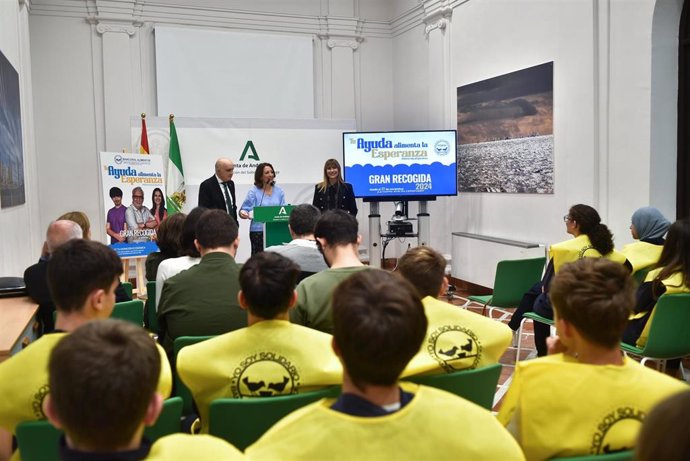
point(175, 177)
point(144, 144)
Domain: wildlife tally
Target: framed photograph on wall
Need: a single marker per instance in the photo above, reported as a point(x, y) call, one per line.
point(12, 192)
point(505, 133)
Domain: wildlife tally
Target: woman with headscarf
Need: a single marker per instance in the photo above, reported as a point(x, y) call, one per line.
point(648, 227)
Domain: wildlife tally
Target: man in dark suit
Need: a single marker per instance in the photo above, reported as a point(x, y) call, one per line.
point(218, 191)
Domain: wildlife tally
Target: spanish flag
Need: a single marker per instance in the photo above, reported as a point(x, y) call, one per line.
point(144, 144)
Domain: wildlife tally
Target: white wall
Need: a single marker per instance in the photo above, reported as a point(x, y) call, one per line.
point(20, 244)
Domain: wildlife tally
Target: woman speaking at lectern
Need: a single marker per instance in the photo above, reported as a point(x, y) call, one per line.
point(333, 193)
point(264, 193)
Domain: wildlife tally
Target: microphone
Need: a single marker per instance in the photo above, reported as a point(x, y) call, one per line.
point(272, 183)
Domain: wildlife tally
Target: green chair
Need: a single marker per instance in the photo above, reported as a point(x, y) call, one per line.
point(128, 289)
point(38, 440)
point(669, 332)
point(534, 317)
point(627, 455)
point(513, 279)
point(180, 389)
point(640, 275)
point(150, 313)
point(477, 385)
point(132, 311)
point(242, 421)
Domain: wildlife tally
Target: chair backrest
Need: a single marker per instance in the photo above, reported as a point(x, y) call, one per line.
point(477, 385)
point(132, 311)
point(168, 421)
point(150, 313)
point(617, 456)
point(242, 421)
point(669, 333)
point(514, 278)
point(128, 289)
point(179, 389)
point(38, 440)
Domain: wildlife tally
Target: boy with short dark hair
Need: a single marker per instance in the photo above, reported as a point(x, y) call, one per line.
point(82, 276)
point(115, 220)
point(456, 339)
point(586, 397)
point(337, 239)
point(269, 357)
point(103, 380)
point(379, 326)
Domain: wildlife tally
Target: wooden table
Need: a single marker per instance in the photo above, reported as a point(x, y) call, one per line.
point(17, 317)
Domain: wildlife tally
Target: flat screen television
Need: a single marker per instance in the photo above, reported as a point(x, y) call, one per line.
point(401, 165)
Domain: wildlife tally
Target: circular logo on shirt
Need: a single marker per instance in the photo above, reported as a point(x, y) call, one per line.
point(37, 402)
point(454, 348)
point(264, 374)
point(616, 430)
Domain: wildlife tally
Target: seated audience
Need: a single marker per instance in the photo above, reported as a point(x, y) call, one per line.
point(670, 275)
point(456, 339)
point(337, 238)
point(302, 249)
point(585, 398)
point(36, 276)
point(664, 433)
point(82, 276)
point(169, 241)
point(269, 357)
point(379, 326)
point(203, 299)
point(103, 380)
point(648, 227)
point(190, 254)
point(592, 240)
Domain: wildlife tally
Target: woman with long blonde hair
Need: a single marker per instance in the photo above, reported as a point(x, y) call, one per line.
point(333, 193)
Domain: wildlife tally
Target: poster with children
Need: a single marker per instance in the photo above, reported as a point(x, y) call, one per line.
point(133, 186)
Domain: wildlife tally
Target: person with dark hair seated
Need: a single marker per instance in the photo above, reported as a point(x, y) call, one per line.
point(189, 257)
point(337, 239)
point(592, 240)
point(664, 433)
point(648, 227)
point(302, 249)
point(169, 241)
point(379, 326)
point(456, 339)
point(585, 398)
point(202, 300)
point(103, 380)
point(671, 274)
point(82, 276)
point(269, 357)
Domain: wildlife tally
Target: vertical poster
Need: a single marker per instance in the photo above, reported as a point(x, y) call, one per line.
point(12, 191)
point(505, 133)
point(134, 198)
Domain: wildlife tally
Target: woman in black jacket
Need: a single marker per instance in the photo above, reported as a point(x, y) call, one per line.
point(333, 193)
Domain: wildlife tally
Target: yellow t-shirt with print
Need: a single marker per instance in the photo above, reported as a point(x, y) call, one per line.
point(185, 447)
point(558, 407)
point(24, 381)
point(433, 425)
point(457, 339)
point(272, 357)
point(578, 248)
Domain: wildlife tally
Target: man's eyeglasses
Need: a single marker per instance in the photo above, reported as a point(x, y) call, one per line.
point(138, 196)
point(567, 218)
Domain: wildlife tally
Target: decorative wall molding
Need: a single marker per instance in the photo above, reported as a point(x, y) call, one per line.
point(103, 28)
point(437, 15)
point(333, 43)
point(440, 24)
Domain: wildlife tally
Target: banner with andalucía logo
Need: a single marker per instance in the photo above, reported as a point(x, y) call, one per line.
point(134, 198)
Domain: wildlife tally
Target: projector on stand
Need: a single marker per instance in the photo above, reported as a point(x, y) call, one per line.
point(399, 228)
